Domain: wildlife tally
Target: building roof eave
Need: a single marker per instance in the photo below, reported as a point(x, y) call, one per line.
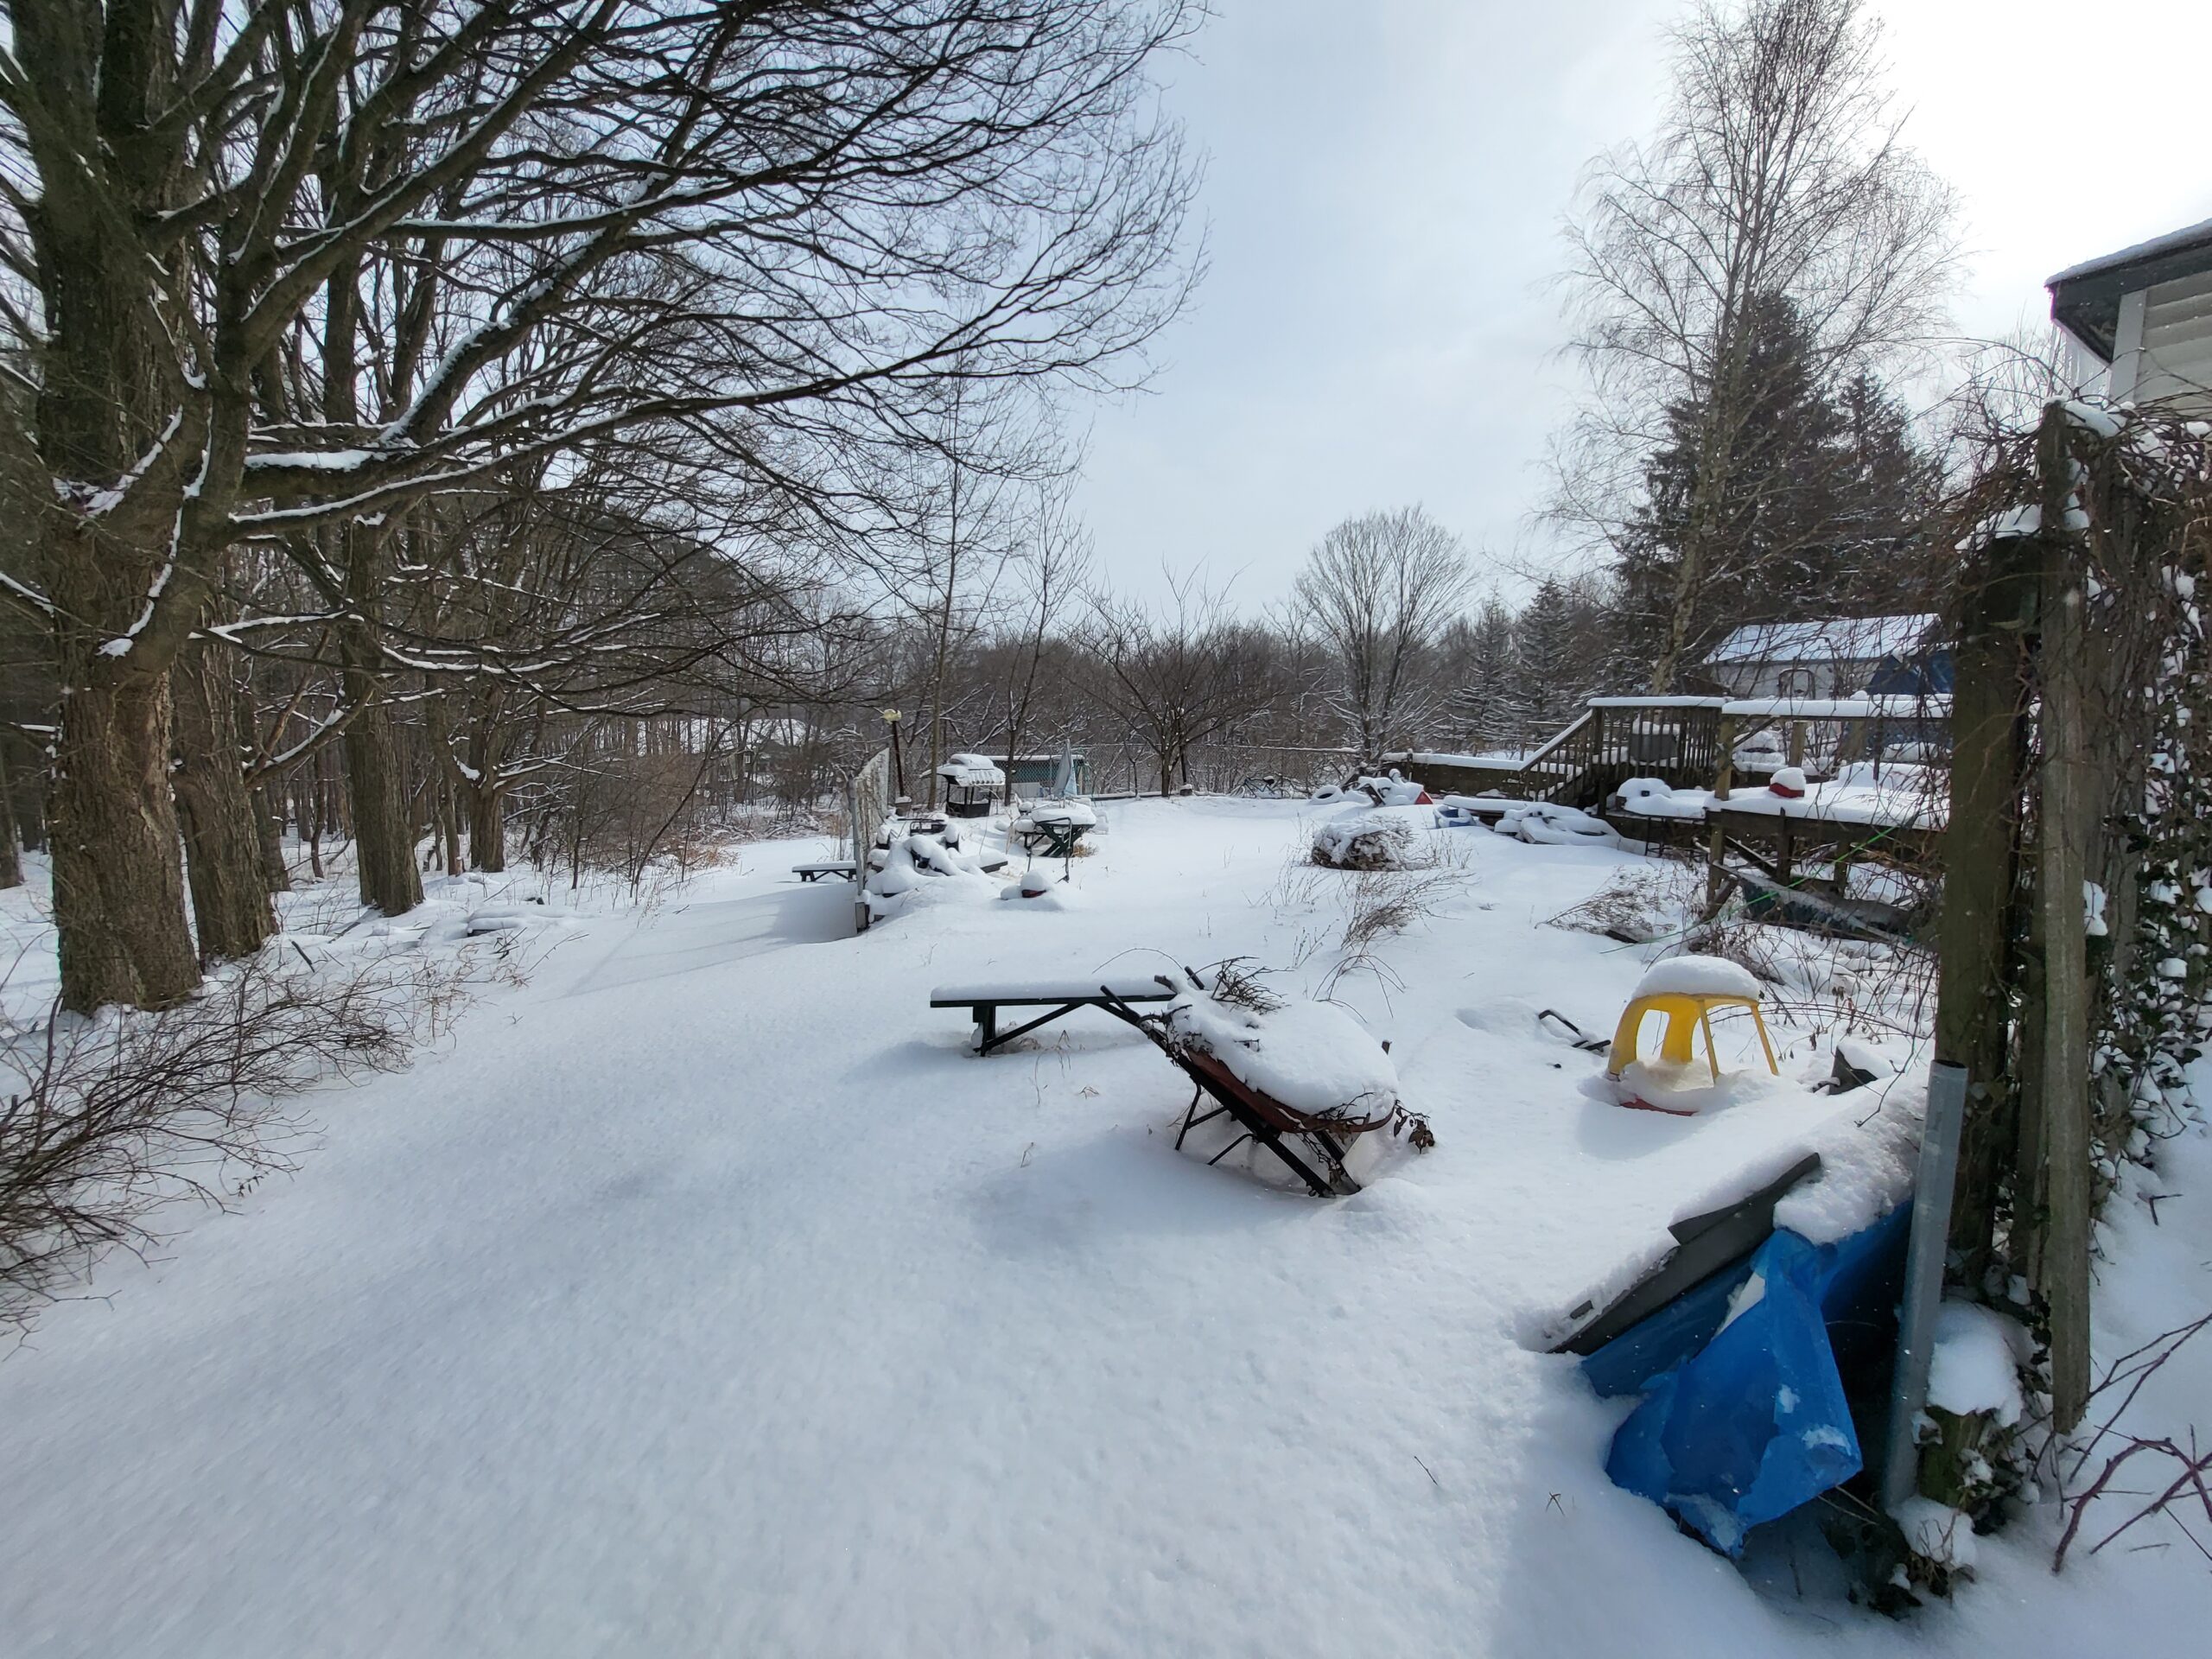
point(2085, 298)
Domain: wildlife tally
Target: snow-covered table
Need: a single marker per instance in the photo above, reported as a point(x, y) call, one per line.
point(1056, 829)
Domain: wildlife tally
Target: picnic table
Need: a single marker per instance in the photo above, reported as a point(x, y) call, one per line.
point(1060, 996)
point(841, 867)
point(1056, 829)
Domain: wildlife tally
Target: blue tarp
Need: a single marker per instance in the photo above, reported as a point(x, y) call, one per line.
point(1744, 1419)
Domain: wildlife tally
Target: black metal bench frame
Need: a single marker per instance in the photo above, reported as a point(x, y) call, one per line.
point(986, 1011)
point(1256, 1119)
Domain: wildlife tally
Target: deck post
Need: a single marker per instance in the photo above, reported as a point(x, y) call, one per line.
point(1717, 842)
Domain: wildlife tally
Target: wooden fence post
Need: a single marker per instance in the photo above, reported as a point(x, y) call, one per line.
point(2066, 798)
point(1980, 849)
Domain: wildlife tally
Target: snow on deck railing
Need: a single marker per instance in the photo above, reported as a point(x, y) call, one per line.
point(1657, 702)
point(1546, 752)
point(1465, 762)
point(1932, 706)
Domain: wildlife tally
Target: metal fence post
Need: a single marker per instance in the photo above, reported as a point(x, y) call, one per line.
point(1923, 1278)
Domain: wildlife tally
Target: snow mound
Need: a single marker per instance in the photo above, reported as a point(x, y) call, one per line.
point(1976, 1364)
point(1867, 1167)
point(922, 863)
point(1691, 1091)
point(1313, 1057)
point(1037, 892)
point(1935, 1531)
point(1697, 976)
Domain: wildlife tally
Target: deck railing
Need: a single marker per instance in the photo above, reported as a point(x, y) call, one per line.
point(1613, 739)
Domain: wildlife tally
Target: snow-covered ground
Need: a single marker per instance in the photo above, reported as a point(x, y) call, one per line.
point(706, 1296)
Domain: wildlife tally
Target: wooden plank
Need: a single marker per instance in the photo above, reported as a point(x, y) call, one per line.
point(2067, 795)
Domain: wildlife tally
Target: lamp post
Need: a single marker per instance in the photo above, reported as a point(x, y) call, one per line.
point(898, 761)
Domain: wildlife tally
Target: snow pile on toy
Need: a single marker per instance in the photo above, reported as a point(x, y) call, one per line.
point(1041, 888)
point(1695, 976)
point(1373, 838)
point(1543, 824)
point(1393, 790)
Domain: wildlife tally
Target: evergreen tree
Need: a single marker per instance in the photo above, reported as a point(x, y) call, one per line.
point(1486, 697)
point(1558, 641)
point(1816, 517)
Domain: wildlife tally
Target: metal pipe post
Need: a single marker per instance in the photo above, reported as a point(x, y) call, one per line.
point(1923, 1278)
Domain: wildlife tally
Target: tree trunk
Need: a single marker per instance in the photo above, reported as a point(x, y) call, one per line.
point(266, 803)
point(449, 820)
point(230, 895)
point(384, 818)
point(376, 776)
point(118, 882)
point(109, 410)
point(27, 805)
point(268, 831)
point(11, 858)
point(1981, 852)
point(487, 829)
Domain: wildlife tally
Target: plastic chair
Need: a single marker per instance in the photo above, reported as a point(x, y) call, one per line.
point(1687, 1012)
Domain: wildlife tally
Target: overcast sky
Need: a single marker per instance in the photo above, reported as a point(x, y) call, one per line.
point(1384, 193)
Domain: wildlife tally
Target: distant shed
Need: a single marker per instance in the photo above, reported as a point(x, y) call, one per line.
point(1833, 657)
point(1040, 774)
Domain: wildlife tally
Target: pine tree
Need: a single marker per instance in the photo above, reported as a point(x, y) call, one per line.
point(1818, 514)
point(1485, 699)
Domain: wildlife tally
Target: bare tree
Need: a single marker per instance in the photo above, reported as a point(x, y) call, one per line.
point(276, 275)
point(1378, 591)
point(1178, 674)
point(1778, 179)
point(1054, 559)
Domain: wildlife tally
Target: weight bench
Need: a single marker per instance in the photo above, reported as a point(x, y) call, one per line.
point(808, 872)
point(1056, 996)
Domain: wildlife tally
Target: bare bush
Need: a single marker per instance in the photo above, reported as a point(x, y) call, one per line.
point(1383, 903)
point(1826, 986)
point(1640, 904)
point(107, 1123)
point(2184, 1466)
point(1368, 841)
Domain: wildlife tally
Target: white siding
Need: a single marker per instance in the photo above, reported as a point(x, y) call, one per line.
point(2177, 356)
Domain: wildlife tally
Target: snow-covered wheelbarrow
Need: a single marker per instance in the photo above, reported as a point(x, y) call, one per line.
point(1349, 1089)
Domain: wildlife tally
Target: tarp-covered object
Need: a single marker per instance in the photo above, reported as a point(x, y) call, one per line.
point(1744, 1415)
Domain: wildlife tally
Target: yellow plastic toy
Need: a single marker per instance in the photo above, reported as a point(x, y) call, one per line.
point(1685, 989)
